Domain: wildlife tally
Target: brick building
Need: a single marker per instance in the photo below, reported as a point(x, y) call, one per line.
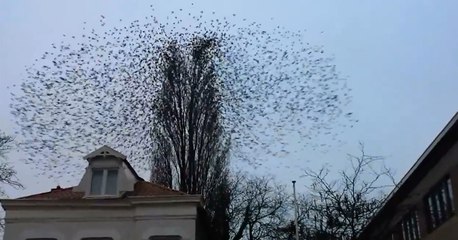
point(423, 206)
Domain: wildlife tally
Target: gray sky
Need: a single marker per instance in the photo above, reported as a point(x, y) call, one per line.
point(400, 58)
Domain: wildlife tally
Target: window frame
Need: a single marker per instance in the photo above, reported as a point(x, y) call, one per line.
point(410, 225)
point(103, 190)
point(438, 204)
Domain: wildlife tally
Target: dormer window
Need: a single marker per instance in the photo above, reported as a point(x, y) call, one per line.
point(108, 175)
point(104, 182)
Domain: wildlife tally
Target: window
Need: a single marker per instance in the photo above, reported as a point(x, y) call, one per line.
point(410, 226)
point(439, 204)
point(41, 239)
point(96, 184)
point(104, 182)
point(175, 237)
point(396, 234)
point(97, 238)
point(112, 182)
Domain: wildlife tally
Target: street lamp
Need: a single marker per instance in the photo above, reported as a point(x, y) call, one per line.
point(295, 210)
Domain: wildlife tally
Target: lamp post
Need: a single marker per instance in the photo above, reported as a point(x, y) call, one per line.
point(295, 210)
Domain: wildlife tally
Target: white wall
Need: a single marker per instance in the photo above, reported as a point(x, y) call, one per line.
point(120, 223)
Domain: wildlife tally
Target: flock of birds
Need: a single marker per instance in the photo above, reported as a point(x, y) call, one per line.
point(96, 89)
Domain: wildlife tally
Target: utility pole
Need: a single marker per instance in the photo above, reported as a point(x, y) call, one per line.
point(295, 210)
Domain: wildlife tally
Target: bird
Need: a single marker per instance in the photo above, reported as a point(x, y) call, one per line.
point(108, 83)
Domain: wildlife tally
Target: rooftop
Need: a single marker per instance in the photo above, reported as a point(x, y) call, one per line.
point(141, 189)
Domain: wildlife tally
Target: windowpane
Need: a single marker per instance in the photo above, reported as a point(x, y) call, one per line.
point(450, 194)
point(410, 226)
point(439, 204)
point(417, 225)
point(404, 232)
point(438, 207)
point(112, 182)
point(430, 212)
point(96, 183)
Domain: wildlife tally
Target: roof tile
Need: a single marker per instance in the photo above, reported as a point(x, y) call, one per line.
point(141, 188)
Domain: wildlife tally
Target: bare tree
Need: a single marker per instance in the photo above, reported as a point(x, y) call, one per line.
point(192, 147)
point(7, 172)
point(187, 117)
point(257, 207)
point(218, 203)
point(338, 209)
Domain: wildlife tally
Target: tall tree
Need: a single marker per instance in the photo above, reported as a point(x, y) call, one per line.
point(187, 117)
point(192, 147)
point(100, 88)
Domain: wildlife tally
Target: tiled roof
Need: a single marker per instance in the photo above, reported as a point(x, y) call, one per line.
point(141, 188)
point(57, 193)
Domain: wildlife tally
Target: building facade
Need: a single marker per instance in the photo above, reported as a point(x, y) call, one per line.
point(111, 202)
point(423, 205)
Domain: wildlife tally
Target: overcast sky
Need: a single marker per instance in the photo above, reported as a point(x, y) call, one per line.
point(400, 59)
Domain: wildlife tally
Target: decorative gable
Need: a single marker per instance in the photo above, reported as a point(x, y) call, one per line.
point(104, 152)
point(108, 175)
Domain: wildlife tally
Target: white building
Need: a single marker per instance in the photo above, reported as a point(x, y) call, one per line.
point(111, 202)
